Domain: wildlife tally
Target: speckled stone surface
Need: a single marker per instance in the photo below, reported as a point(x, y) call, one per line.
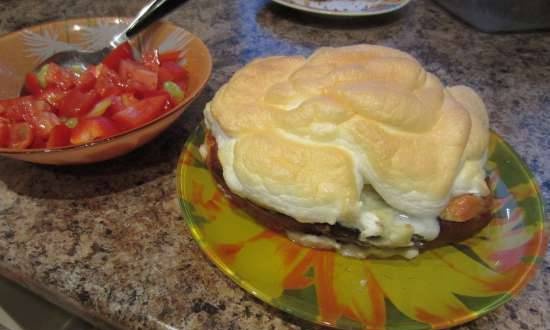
point(107, 241)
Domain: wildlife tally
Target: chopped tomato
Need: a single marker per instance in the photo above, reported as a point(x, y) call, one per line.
point(89, 129)
point(151, 60)
point(122, 52)
point(4, 133)
point(77, 103)
point(13, 109)
point(87, 79)
point(21, 136)
point(141, 113)
point(32, 85)
point(23, 108)
point(60, 136)
point(108, 82)
point(173, 56)
point(43, 124)
point(129, 99)
point(172, 71)
point(137, 76)
point(121, 102)
point(157, 92)
point(37, 143)
point(59, 77)
point(116, 106)
point(53, 96)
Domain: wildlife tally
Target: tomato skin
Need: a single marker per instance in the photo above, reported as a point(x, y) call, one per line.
point(87, 79)
point(122, 52)
point(171, 56)
point(89, 129)
point(37, 143)
point(137, 76)
point(60, 77)
point(77, 103)
point(60, 136)
point(4, 133)
point(151, 60)
point(21, 135)
point(108, 82)
point(13, 109)
point(24, 108)
point(141, 113)
point(43, 124)
point(172, 71)
point(32, 85)
point(53, 96)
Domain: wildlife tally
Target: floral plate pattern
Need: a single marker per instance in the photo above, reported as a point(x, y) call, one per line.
point(439, 289)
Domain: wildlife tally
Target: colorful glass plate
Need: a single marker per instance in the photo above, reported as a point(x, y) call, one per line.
point(439, 289)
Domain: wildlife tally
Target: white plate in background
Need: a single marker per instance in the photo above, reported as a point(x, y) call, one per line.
point(345, 7)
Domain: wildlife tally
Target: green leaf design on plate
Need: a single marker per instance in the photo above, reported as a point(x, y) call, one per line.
point(470, 253)
point(302, 301)
point(188, 208)
point(481, 304)
point(346, 323)
point(395, 320)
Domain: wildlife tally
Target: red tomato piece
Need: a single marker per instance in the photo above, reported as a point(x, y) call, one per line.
point(77, 103)
point(160, 92)
point(4, 132)
point(53, 96)
point(89, 129)
point(184, 85)
point(172, 56)
point(60, 136)
point(138, 76)
point(172, 71)
point(122, 52)
point(156, 92)
point(87, 79)
point(21, 136)
point(32, 85)
point(129, 99)
point(151, 60)
point(108, 82)
point(121, 102)
point(24, 108)
point(141, 113)
point(165, 75)
point(116, 106)
point(13, 109)
point(43, 124)
point(38, 143)
point(60, 77)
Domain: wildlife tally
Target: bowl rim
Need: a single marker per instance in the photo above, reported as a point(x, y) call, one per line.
point(173, 110)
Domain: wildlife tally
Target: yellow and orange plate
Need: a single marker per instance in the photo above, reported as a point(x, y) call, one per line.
point(439, 289)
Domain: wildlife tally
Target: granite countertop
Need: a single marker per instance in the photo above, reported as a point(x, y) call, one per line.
point(107, 241)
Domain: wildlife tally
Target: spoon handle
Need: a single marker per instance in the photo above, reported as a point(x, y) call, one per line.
point(153, 11)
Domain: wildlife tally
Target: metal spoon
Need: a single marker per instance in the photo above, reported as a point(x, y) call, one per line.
point(150, 13)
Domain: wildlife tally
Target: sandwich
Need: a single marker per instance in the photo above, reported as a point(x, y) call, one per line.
point(356, 149)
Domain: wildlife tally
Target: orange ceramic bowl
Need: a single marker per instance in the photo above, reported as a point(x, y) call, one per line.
point(25, 49)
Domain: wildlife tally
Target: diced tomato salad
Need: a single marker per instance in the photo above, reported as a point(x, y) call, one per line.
point(70, 106)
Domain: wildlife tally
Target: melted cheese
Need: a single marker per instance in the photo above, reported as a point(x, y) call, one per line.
point(381, 225)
